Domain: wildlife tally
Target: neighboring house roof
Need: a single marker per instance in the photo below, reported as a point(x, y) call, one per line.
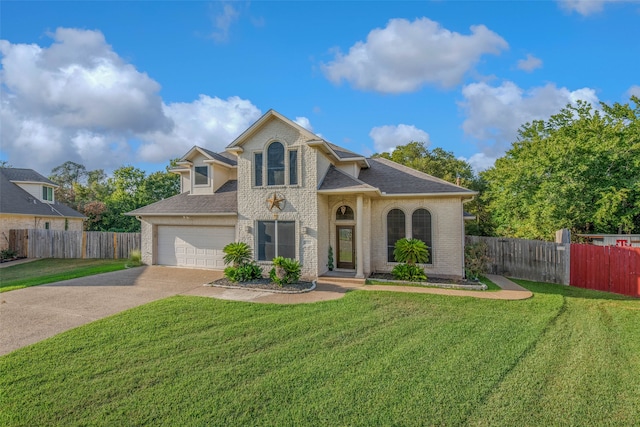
point(16, 200)
point(393, 178)
point(223, 201)
point(26, 175)
point(336, 180)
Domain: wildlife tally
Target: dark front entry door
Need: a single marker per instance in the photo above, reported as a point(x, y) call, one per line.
point(346, 248)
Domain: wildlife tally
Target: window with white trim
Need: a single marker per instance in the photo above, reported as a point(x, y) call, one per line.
point(395, 231)
point(421, 229)
point(275, 164)
point(201, 175)
point(276, 238)
point(47, 193)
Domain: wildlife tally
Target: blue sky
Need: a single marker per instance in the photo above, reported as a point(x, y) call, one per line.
point(112, 83)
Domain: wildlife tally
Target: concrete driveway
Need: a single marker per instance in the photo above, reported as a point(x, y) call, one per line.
point(32, 314)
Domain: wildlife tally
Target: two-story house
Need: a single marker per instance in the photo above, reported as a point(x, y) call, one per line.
point(288, 192)
point(27, 201)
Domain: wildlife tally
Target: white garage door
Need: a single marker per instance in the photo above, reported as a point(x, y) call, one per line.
point(193, 246)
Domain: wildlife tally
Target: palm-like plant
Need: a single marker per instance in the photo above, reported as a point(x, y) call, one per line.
point(237, 254)
point(411, 251)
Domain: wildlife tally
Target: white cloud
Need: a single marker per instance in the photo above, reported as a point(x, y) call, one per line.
point(480, 161)
point(78, 100)
point(222, 22)
point(208, 122)
point(494, 114)
point(633, 91)
point(530, 63)
point(588, 7)
point(304, 122)
point(405, 55)
point(387, 138)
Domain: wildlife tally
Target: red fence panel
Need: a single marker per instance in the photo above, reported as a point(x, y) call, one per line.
point(606, 268)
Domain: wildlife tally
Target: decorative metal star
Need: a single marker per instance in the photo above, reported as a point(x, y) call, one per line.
point(275, 201)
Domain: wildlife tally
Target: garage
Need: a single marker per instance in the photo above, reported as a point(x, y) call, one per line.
point(193, 246)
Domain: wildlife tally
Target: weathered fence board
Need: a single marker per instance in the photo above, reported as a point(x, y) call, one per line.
point(73, 244)
point(526, 259)
point(606, 268)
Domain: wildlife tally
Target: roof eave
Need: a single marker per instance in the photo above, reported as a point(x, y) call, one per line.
point(36, 182)
point(218, 162)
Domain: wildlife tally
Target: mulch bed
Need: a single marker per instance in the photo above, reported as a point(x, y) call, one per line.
point(430, 279)
point(264, 284)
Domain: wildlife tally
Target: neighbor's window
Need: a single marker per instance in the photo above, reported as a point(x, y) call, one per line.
point(293, 167)
point(395, 231)
point(276, 238)
point(47, 226)
point(421, 229)
point(275, 164)
point(257, 169)
point(202, 175)
point(47, 194)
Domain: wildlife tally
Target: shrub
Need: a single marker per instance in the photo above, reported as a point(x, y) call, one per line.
point(237, 254)
point(8, 254)
point(243, 273)
point(411, 251)
point(285, 271)
point(135, 258)
point(475, 260)
point(409, 272)
point(330, 259)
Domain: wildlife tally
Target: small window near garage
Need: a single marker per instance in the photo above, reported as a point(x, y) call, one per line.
point(344, 213)
point(257, 169)
point(47, 194)
point(47, 226)
point(293, 167)
point(395, 231)
point(202, 175)
point(276, 238)
point(421, 229)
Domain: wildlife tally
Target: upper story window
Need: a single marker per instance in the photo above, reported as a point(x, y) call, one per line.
point(47, 194)
point(275, 164)
point(281, 166)
point(201, 175)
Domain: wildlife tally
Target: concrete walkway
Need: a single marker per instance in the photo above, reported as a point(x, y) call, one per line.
point(32, 314)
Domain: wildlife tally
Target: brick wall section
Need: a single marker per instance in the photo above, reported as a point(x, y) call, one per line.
point(446, 225)
point(302, 202)
point(25, 222)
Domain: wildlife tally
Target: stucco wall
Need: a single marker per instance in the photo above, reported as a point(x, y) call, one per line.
point(24, 222)
point(447, 233)
point(149, 230)
point(301, 201)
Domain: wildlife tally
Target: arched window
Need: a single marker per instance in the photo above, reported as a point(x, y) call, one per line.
point(343, 213)
point(395, 231)
point(421, 228)
point(275, 164)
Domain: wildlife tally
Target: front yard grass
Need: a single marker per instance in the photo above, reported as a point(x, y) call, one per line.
point(566, 356)
point(51, 270)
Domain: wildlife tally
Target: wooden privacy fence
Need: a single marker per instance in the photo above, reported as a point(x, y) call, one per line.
point(73, 244)
point(606, 268)
point(526, 259)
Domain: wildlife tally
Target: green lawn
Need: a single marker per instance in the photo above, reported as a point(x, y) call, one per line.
point(51, 270)
point(566, 356)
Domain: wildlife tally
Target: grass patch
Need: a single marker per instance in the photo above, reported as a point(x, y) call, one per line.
point(490, 285)
point(371, 358)
point(51, 270)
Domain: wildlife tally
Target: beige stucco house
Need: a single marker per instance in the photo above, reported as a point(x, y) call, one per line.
point(27, 201)
point(286, 191)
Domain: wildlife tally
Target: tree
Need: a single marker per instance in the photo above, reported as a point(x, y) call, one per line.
point(66, 176)
point(580, 170)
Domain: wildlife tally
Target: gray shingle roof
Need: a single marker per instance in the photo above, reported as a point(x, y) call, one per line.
point(393, 178)
point(343, 153)
point(25, 175)
point(15, 200)
point(227, 158)
point(335, 179)
point(223, 201)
